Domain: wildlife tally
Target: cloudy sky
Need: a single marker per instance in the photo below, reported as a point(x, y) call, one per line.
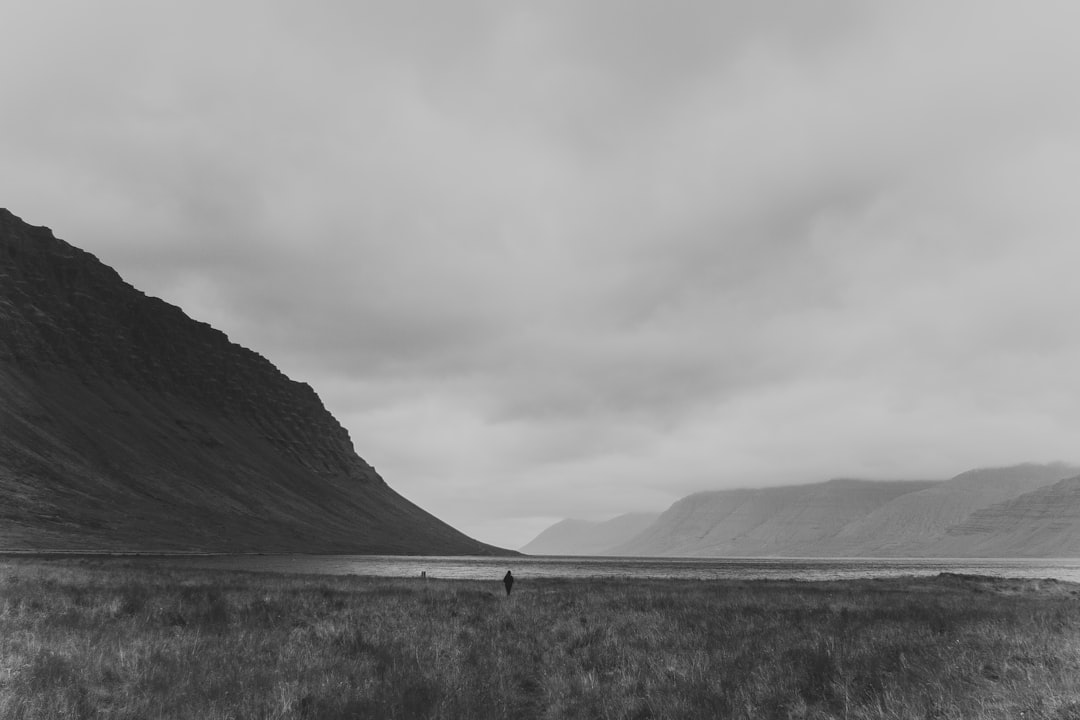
point(580, 258)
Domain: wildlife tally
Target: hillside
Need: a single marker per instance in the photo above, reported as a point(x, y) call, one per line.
point(776, 521)
point(912, 525)
point(583, 537)
point(126, 425)
point(1041, 523)
point(1026, 510)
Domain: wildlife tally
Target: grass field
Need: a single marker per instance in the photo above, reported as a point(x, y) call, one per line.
point(114, 639)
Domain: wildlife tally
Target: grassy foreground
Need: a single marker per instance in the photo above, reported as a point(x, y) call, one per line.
point(112, 639)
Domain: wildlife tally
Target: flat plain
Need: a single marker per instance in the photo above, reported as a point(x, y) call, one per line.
point(125, 639)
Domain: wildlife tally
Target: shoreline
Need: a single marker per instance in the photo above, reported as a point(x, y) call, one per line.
point(596, 568)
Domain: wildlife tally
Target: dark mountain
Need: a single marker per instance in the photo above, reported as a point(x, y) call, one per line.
point(584, 537)
point(126, 425)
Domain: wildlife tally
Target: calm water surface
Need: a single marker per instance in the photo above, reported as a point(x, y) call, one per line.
point(473, 568)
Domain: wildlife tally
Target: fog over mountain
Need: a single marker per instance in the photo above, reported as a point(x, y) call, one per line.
point(1022, 511)
point(534, 256)
point(582, 537)
point(1042, 523)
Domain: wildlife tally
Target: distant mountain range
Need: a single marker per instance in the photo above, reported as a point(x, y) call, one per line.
point(1021, 511)
point(126, 425)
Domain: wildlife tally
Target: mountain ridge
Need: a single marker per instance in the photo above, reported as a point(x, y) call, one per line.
point(125, 424)
point(910, 525)
point(1040, 523)
point(1022, 510)
point(764, 521)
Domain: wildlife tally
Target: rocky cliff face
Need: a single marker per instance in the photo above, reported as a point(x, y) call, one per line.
point(66, 310)
point(126, 424)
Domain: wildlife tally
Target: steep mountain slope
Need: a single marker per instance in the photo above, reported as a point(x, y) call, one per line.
point(583, 537)
point(124, 424)
point(1041, 523)
point(912, 524)
point(778, 521)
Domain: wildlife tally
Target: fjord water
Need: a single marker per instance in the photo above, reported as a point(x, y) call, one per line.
point(486, 568)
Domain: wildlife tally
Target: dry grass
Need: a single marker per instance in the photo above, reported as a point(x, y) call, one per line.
point(122, 640)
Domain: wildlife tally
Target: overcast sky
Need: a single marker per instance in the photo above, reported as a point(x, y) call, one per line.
point(583, 257)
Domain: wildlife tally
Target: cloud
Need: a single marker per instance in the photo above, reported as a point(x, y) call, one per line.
point(581, 259)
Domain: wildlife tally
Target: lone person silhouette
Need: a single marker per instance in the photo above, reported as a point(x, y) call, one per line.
point(508, 581)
